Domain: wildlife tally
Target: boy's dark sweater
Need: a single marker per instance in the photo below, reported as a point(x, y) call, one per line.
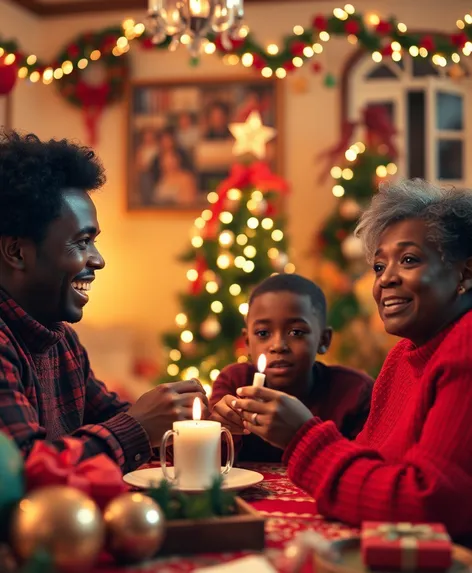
point(339, 394)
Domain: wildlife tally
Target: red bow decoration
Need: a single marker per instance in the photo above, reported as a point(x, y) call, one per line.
point(201, 266)
point(379, 132)
point(258, 174)
point(380, 129)
point(93, 100)
point(98, 477)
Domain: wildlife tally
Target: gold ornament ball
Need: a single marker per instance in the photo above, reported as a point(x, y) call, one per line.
point(352, 248)
point(64, 522)
point(210, 328)
point(281, 260)
point(350, 209)
point(135, 527)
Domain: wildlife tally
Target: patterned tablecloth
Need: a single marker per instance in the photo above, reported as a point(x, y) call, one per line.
point(287, 509)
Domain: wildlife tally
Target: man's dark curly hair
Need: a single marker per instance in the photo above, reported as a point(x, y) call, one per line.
point(33, 175)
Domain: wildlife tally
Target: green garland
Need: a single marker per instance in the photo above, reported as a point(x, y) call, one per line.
point(376, 37)
point(73, 87)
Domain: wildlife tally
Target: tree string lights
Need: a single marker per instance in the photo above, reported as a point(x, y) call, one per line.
point(236, 242)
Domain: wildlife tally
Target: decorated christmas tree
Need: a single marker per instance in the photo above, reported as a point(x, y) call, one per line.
point(356, 168)
point(237, 241)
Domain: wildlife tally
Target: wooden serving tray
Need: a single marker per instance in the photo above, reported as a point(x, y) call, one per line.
point(351, 559)
point(245, 530)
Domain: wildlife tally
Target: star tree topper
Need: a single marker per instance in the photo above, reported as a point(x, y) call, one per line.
point(251, 136)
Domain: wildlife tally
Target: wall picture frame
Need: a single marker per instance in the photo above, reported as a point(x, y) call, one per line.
point(179, 143)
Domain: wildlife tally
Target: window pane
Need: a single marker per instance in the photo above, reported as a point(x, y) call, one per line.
point(450, 113)
point(423, 67)
point(416, 134)
point(450, 159)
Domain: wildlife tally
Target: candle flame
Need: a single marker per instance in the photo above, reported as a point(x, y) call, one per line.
point(261, 363)
point(197, 409)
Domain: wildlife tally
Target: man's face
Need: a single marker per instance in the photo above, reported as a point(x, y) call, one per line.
point(59, 272)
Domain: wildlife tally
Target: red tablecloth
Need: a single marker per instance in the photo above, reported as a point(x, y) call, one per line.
point(287, 509)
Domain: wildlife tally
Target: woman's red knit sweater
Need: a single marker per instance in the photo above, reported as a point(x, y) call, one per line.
point(413, 459)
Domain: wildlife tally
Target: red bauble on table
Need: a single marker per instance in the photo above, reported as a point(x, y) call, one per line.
point(8, 76)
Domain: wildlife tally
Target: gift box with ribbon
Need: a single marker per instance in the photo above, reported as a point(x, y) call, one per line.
point(405, 546)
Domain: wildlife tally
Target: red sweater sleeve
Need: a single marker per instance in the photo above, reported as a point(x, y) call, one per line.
point(433, 480)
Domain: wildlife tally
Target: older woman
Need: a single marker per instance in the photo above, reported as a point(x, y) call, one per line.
point(413, 459)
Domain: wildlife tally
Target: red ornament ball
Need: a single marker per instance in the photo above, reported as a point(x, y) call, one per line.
point(459, 39)
point(428, 43)
point(387, 50)
point(296, 49)
point(289, 66)
point(236, 44)
point(258, 62)
point(384, 27)
point(352, 27)
point(73, 51)
point(320, 23)
point(8, 76)
point(147, 43)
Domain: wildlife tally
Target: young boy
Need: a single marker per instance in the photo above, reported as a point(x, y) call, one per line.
point(286, 321)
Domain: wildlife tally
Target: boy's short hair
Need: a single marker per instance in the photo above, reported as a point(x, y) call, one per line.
point(295, 284)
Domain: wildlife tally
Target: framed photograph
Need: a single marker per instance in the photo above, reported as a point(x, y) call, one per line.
point(179, 144)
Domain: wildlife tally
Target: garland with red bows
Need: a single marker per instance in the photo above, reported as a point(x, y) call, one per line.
point(372, 37)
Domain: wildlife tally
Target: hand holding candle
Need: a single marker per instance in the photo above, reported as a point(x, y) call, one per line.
point(259, 377)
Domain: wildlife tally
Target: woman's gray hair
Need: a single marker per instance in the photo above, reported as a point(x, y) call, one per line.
point(447, 213)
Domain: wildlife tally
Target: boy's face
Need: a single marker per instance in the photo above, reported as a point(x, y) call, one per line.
point(285, 327)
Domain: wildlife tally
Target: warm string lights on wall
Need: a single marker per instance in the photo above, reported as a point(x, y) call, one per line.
point(383, 38)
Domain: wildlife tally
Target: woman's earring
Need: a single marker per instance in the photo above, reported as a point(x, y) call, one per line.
point(461, 289)
point(322, 350)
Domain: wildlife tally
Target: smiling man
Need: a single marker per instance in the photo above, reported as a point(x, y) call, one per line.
point(48, 261)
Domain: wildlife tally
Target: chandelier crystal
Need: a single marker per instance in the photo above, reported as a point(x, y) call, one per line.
point(190, 21)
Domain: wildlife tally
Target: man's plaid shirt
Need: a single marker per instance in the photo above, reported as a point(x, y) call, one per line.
point(48, 391)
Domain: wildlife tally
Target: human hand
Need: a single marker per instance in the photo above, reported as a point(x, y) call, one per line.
point(223, 412)
point(157, 409)
point(274, 416)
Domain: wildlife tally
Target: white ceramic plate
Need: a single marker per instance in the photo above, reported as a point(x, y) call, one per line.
point(235, 480)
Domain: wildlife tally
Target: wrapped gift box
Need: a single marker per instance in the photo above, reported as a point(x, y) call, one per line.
point(405, 546)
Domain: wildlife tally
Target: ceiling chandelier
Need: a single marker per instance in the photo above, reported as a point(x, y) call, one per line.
point(190, 21)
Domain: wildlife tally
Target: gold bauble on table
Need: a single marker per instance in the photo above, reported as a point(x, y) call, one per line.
point(135, 527)
point(62, 521)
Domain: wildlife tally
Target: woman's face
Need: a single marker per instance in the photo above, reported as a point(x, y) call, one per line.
point(415, 290)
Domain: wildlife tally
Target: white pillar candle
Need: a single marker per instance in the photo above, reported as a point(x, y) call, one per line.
point(197, 450)
point(259, 377)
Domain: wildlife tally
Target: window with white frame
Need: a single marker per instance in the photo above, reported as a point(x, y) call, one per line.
point(431, 108)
